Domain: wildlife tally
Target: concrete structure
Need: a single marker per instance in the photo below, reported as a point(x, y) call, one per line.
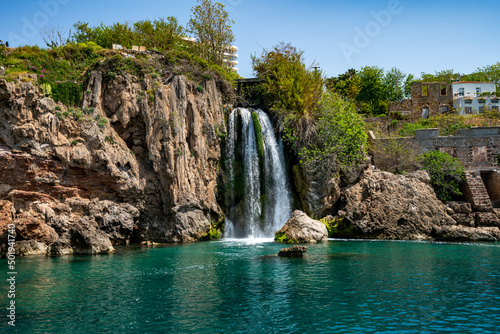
point(229, 57)
point(467, 99)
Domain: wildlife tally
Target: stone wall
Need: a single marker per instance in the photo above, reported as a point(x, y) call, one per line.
point(436, 97)
point(476, 148)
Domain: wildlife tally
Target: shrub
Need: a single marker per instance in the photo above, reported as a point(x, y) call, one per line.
point(102, 122)
point(340, 139)
point(447, 174)
point(396, 155)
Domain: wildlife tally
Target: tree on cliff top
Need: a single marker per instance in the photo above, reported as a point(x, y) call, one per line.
point(291, 89)
point(162, 33)
point(211, 26)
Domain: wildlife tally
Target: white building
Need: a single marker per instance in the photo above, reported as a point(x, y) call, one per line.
point(230, 56)
point(473, 97)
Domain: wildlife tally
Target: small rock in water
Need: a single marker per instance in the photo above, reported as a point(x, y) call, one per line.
point(294, 251)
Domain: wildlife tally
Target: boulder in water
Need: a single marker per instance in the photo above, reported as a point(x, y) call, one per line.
point(300, 228)
point(294, 251)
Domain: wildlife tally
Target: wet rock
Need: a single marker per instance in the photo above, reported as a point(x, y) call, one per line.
point(30, 247)
point(300, 228)
point(84, 238)
point(294, 251)
point(461, 233)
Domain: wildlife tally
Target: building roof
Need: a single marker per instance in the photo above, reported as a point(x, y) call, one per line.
point(479, 82)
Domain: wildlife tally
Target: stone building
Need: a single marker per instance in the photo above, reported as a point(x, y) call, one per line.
point(430, 98)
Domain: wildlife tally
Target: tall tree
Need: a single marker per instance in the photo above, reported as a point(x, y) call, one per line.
point(371, 95)
point(444, 75)
point(211, 26)
point(393, 82)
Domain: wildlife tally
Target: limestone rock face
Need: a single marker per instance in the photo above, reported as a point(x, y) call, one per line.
point(461, 233)
point(387, 206)
point(141, 161)
point(300, 228)
point(83, 238)
point(30, 247)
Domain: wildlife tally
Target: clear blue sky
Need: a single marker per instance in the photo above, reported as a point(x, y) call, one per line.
point(416, 36)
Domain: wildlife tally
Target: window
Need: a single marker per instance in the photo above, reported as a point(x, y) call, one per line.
point(425, 90)
point(443, 90)
point(461, 91)
point(494, 108)
point(481, 109)
point(478, 91)
point(468, 101)
point(468, 110)
point(482, 101)
point(494, 100)
point(443, 109)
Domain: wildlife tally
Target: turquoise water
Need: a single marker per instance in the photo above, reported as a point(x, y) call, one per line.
point(226, 287)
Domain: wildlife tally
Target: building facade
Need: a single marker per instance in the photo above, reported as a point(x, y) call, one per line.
point(429, 98)
point(473, 97)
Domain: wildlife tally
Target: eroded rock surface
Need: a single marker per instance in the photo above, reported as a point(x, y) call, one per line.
point(138, 162)
point(300, 228)
point(383, 205)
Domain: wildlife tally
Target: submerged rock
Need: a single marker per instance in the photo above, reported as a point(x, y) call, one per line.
point(300, 228)
point(294, 251)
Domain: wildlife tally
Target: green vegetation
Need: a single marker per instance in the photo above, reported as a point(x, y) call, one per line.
point(447, 174)
point(372, 90)
point(211, 26)
point(340, 139)
point(258, 136)
point(58, 70)
point(292, 89)
point(102, 122)
point(215, 232)
point(449, 124)
point(161, 34)
point(396, 155)
point(281, 237)
point(62, 71)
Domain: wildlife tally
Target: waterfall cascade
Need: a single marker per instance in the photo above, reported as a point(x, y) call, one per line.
point(258, 194)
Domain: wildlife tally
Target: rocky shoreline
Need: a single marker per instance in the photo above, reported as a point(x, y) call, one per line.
point(141, 162)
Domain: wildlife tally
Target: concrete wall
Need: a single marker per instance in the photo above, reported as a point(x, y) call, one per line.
point(470, 87)
point(476, 148)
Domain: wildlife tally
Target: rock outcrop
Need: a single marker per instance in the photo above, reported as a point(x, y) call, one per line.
point(383, 205)
point(138, 162)
point(294, 251)
point(300, 228)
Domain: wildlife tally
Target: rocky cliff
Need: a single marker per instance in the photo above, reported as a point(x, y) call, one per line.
point(383, 205)
point(139, 161)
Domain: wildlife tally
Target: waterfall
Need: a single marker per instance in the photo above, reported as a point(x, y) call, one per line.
point(258, 195)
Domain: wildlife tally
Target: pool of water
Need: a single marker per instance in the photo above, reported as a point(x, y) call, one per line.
point(229, 286)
